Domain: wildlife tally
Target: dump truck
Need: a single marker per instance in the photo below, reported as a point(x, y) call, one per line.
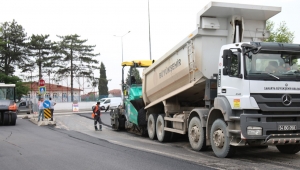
point(222, 86)
point(8, 107)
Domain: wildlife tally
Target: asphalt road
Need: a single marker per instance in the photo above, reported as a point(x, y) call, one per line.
point(245, 158)
point(28, 146)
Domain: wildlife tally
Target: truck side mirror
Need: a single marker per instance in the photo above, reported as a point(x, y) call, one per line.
point(226, 61)
point(225, 54)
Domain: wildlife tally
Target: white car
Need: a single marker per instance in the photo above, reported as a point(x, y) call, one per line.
point(110, 103)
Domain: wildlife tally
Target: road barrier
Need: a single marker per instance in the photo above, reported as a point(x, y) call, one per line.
point(47, 113)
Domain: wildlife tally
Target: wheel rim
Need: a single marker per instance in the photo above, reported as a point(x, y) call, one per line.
point(219, 138)
point(195, 133)
point(159, 128)
point(151, 127)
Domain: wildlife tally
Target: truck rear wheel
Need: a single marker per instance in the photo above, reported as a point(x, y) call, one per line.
point(197, 135)
point(162, 135)
point(151, 126)
point(288, 149)
point(220, 143)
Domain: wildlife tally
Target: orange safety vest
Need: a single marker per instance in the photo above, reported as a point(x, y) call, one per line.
point(96, 109)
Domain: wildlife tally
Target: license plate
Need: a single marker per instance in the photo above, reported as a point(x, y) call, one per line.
point(287, 127)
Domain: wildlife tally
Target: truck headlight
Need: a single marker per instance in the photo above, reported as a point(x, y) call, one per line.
point(253, 130)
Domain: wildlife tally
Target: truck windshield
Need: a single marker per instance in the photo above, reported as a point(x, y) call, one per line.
point(7, 93)
point(273, 65)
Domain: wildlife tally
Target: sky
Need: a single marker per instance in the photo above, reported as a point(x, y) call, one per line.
point(99, 20)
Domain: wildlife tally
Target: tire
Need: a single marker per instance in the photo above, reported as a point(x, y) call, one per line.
point(5, 120)
point(13, 119)
point(116, 126)
point(144, 131)
point(151, 126)
point(196, 134)
point(162, 135)
point(142, 117)
point(288, 149)
point(121, 123)
point(220, 143)
point(102, 108)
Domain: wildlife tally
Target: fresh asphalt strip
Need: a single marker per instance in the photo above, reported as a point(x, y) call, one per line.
point(89, 117)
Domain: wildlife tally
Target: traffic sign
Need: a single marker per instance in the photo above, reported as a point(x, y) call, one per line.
point(42, 82)
point(42, 90)
point(46, 104)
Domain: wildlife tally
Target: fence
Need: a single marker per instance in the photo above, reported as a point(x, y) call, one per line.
point(61, 99)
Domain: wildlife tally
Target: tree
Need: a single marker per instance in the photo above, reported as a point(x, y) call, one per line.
point(102, 88)
point(1, 39)
point(40, 49)
point(13, 52)
point(21, 89)
point(281, 34)
point(134, 72)
point(74, 56)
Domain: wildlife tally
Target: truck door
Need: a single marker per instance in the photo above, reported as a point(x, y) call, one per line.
point(232, 84)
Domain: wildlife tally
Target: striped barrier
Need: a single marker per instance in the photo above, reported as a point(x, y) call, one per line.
point(47, 113)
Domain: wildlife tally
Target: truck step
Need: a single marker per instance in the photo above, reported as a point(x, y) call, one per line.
point(234, 118)
point(173, 119)
point(234, 131)
point(174, 130)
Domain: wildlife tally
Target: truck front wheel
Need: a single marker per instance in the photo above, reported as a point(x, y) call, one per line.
point(288, 149)
point(220, 143)
point(196, 135)
point(151, 126)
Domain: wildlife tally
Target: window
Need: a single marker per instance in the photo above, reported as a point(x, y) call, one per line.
point(234, 69)
point(7, 93)
point(47, 95)
point(107, 101)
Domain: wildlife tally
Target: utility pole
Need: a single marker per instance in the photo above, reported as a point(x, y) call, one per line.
point(149, 31)
point(49, 72)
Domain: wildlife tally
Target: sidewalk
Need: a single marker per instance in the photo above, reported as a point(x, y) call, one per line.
point(34, 117)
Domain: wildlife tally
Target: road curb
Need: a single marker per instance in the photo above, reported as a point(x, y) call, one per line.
point(43, 123)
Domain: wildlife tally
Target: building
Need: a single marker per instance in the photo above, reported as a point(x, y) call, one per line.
point(115, 93)
point(58, 93)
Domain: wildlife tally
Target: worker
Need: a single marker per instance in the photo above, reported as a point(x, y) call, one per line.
point(52, 104)
point(272, 67)
point(97, 118)
point(41, 109)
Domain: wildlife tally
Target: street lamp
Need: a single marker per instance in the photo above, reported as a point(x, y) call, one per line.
point(122, 42)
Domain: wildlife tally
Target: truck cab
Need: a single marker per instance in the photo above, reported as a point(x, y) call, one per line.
point(260, 81)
